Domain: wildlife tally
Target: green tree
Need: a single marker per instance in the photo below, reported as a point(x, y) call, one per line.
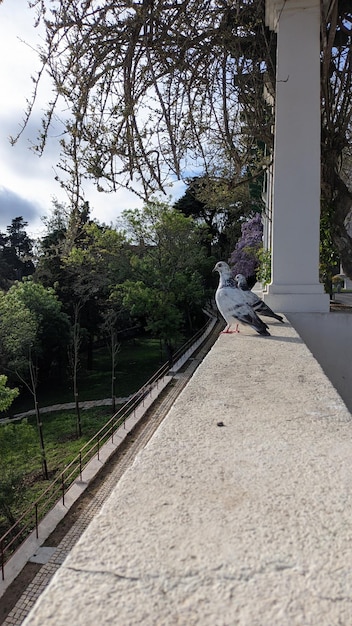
point(329, 258)
point(49, 268)
point(52, 323)
point(166, 289)
point(222, 208)
point(83, 260)
point(33, 329)
point(18, 333)
point(16, 256)
point(93, 264)
point(7, 395)
point(88, 259)
point(109, 328)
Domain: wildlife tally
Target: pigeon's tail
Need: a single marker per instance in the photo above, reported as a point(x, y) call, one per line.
point(264, 332)
point(265, 310)
point(275, 316)
point(261, 327)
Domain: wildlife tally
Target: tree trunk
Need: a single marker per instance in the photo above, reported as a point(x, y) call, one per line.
point(342, 231)
point(169, 353)
point(90, 351)
point(41, 441)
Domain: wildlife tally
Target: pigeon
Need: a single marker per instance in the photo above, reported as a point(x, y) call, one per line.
point(254, 301)
point(232, 304)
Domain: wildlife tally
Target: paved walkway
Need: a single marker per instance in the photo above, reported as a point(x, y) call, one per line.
point(87, 404)
point(343, 298)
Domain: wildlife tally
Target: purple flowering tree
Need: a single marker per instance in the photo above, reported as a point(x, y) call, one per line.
point(244, 259)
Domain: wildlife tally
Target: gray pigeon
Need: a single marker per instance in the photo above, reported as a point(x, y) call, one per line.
point(232, 304)
point(254, 301)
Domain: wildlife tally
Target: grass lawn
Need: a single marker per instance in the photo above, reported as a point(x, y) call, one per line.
point(21, 480)
point(137, 360)
point(21, 459)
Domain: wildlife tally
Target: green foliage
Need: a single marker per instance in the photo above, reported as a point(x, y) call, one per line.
point(11, 495)
point(19, 448)
point(15, 253)
point(83, 260)
point(32, 326)
point(264, 270)
point(221, 204)
point(329, 258)
point(17, 442)
point(166, 287)
point(7, 395)
point(18, 329)
point(158, 307)
point(20, 475)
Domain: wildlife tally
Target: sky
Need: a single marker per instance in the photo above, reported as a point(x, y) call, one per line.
point(27, 182)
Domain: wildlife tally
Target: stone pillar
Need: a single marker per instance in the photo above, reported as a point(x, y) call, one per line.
point(296, 183)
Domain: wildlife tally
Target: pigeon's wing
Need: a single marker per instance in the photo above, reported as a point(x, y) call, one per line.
point(263, 309)
point(232, 305)
point(228, 301)
point(250, 297)
point(246, 315)
point(259, 306)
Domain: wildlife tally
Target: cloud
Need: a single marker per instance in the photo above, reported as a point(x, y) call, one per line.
point(13, 205)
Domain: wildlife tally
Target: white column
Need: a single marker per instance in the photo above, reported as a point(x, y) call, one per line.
point(296, 185)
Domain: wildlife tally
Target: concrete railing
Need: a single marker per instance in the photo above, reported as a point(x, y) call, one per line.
point(238, 511)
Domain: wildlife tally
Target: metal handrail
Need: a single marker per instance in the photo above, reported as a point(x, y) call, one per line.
point(30, 519)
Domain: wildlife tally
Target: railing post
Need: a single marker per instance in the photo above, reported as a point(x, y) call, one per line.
point(80, 465)
point(36, 521)
point(63, 488)
point(98, 449)
point(2, 559)
point(112, 431)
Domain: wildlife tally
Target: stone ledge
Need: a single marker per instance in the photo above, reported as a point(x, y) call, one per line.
point(248, 524)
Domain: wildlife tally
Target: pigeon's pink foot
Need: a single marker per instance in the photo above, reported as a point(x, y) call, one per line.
point(227, 331)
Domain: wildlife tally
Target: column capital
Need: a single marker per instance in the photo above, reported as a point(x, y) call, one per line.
point(273, 9)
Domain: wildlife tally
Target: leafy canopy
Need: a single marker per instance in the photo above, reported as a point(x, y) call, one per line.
point(166, 285)
point(32, 325)
point(7, 395)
